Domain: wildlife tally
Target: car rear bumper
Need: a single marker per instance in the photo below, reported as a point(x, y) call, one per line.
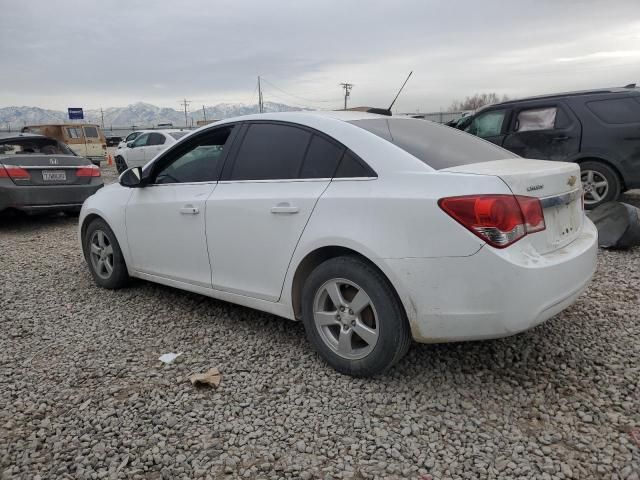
point(45, 198)
point(493, 293)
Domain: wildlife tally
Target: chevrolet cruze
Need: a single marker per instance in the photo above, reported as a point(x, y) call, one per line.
point(372, 230)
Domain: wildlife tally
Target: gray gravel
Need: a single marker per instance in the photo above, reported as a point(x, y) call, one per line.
point(82, 394)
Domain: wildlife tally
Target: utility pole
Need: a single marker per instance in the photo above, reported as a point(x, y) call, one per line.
point(102, 118)
point(260, 102)
point(185, 103)
point(204, 114)
point(347, 92)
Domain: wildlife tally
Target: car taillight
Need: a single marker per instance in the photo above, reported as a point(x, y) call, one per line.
point(89, 171)
point(14, 173)
point(500, 220)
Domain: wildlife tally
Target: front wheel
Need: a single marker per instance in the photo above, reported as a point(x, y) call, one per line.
point(121, 165)
point(353, 318)
point(600, 183)
point(104, 257)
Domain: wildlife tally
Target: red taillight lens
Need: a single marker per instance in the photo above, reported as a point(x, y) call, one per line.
point(14, 173)
point(89, 171)
point(500, 220)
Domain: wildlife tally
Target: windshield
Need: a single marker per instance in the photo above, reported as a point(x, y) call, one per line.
point(436, 145)
point(41, 146)
point(178, 135)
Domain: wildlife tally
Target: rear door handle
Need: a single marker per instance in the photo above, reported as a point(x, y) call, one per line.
point(561, 138)
point(189, 210)
point(284, 207)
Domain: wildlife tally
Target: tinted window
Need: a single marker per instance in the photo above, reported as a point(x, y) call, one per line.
point(436, 145)
point(270, 152)
point(487, 124)
point(156, 139)
point(199, 160)
point(322, 158)
point(91, 132)
point(619, 110)
point(351, 167)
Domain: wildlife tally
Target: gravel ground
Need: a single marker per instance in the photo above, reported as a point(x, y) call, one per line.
point(82, 394)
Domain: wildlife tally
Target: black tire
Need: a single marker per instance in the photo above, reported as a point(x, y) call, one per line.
point(118, 277)
point(121, 165)
point(599, 172)
point(383, 314)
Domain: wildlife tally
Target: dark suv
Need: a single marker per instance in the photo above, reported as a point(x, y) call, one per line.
point(598, 129)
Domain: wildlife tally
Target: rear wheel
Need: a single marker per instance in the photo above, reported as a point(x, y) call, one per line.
point(121, 165)
point(353, 318)
point(600, 183)
point(104, 257)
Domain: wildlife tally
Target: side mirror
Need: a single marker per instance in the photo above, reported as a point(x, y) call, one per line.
point(129, 144)
point(131, 178)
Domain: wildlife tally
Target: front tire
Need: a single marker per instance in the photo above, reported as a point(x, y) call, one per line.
point(104, 257)
point(353, 318)
point(600, 183)
point(121, 165)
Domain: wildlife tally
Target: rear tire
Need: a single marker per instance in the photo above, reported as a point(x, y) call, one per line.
point(353, 318)
point(600, 183)
point(103, 255)
point(121, 165)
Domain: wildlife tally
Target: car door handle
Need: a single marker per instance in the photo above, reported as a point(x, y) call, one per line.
point(561, 138)
point(284, 207)
point(189, 210)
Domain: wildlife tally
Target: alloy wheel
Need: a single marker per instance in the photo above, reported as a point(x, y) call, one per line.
point(346, 318)
point(101, 254)
point(595, 186)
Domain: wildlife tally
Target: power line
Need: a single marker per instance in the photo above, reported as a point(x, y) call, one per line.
point(347, 92)
point(185, 103)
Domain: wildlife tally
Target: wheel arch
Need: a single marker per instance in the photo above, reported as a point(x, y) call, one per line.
point(321, 254)
point(608, 163)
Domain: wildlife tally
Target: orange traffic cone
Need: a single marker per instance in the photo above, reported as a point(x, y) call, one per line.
point(110, 160)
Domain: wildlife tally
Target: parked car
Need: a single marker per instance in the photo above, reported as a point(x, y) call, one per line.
point(598, 129)
point(85, 139)
point(40, 174)
point(372, 230)
point(145, 147)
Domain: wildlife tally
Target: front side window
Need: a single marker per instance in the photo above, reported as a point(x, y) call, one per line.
point(141, 140)
point(199, 160)
point(91, 132)
point(74, 132)
point(616, 111)
point(536, 119)
point(270, 152)
point(487, 124)
point(132, 136)
point(156, 139)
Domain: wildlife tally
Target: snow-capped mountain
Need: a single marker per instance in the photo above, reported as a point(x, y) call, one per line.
point(139, 114)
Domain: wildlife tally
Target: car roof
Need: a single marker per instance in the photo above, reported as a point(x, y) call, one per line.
point(576, 93)
point(23, 136)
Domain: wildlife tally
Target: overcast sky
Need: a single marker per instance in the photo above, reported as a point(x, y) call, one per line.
point(113, 53)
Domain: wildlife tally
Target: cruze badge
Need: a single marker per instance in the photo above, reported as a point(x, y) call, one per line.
point(572, 180)
point(53, 161)
point(534, 187)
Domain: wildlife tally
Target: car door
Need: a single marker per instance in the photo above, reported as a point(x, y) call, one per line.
point(135, 153)
point(490, 125)
point(259, 210)
point(547, 131)
point(156, 143)
point(166, 219)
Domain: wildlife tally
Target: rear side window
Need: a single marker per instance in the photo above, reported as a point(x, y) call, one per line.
point(536, 119)
point(436, 145)
point(616, 111)
point(74, 132)
point(270, 152)
point(322, 158)
point(155, 139)
point(91, 132)
point(352, 167)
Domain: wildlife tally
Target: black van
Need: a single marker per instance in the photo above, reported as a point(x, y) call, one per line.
point(599, 129)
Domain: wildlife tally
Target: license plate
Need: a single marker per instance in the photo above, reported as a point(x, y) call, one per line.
point(566, 221)
point(54, 176)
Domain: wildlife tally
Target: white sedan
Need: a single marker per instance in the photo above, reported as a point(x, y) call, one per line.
point(144, 147)
point(372, 230)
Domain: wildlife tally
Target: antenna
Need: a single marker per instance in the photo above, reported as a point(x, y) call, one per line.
point(399, 91)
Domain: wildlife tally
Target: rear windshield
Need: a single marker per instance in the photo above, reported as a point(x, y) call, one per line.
point(35, 146)
point(91, 132)
point(178, 135)
point(436, 145)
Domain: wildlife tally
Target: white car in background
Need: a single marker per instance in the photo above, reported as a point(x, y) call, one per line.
point(372, 230)
point(146, 145)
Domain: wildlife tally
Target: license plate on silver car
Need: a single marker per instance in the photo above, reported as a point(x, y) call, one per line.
point(54, 176)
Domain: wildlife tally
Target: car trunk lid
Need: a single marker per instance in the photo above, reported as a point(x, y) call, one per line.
point(556, 184)
point(43, 170)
